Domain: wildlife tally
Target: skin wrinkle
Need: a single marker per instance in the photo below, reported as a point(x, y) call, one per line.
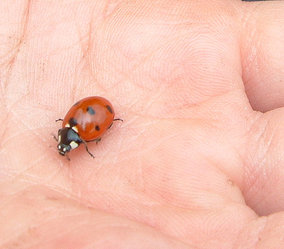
point(26, 125)
point(17, 46)
point(12, 60)
point(94, 42)
point(258, 242)
point(249, 34)
point(219, 170)
point(136, 66)
point(111, 7)
point(34, 242)
point(251, 183)
point(86, 51)
point(171, 238)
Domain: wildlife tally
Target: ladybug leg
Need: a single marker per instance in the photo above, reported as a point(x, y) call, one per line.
point(98, 140)
point(68, 158)
point(60, 119)
point(95, 140)
point(116, 119)
point(55, 138)
point(87, 149)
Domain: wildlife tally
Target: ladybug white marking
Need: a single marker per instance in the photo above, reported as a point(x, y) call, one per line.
point(75, 129)
point(73, 145)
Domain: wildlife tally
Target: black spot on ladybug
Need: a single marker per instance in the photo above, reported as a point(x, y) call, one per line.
point(90, 110)
point(109, 109)
point(97, 128)
point(72, 122)
point(77, 103)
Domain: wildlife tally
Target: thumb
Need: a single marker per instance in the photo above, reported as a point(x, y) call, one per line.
point(264, 159)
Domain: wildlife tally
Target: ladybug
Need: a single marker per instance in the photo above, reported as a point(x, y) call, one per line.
point(86, 121)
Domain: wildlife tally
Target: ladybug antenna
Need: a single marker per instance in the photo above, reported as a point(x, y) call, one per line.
point(87, 149)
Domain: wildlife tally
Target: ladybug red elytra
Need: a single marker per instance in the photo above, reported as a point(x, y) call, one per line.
point(86, 121)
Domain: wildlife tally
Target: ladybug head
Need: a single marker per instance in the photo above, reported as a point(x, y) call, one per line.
point(68, 139)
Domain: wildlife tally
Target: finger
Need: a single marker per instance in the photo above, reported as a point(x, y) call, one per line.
point(262, 47)
point(264, 160)
point(262, 233)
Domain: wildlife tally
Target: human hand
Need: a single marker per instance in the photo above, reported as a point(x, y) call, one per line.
point(191, 166)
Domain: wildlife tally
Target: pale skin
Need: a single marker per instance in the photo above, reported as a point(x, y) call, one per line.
point(198, 161)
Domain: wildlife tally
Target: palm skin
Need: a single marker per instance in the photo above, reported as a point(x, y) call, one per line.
point(193, 165)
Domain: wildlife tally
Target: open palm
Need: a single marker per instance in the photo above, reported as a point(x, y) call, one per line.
point(193, 165)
